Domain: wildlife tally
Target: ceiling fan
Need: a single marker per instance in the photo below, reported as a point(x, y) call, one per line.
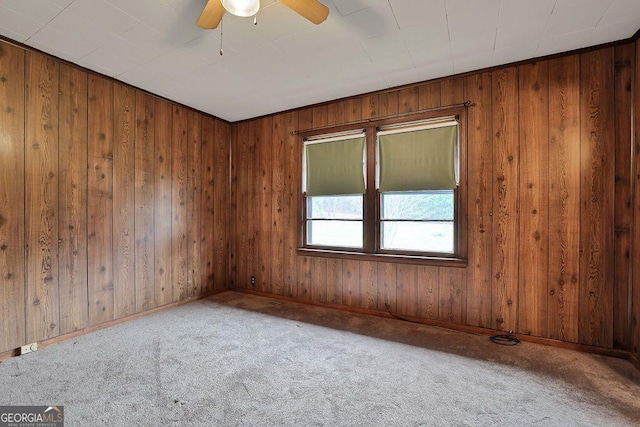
point(211, 16)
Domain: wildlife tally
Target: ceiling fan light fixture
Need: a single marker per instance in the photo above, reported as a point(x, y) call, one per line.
point(242, 8)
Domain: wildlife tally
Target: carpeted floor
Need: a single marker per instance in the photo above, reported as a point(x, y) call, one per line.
point(236, 359)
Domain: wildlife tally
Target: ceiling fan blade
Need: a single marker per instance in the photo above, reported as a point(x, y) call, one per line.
point(313, 10)
point(211, 15)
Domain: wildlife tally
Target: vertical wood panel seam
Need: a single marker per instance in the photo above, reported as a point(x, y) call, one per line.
point(112, 125)
point(548, 213)
point(229, 211)
point(58, 198)
point(518, 213)
point(580, 195)
point(632, 190)
point(24, 192)
point(86, 198)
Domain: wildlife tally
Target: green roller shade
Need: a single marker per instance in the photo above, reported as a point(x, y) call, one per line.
point(335, 167)
point(418, 160)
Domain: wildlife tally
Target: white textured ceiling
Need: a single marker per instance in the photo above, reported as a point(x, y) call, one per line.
point(286, 62)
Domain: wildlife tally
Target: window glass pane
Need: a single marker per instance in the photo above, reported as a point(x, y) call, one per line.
point(335, 207)
point(419, 205)
point(417, 236)
point(334, 233)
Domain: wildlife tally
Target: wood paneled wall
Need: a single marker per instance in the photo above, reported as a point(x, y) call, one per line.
point(549, 197)
point(634, 256)
point(112, 202)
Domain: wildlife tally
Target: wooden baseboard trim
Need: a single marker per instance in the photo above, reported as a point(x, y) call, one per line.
point(55, 340)
point(620, 354)
point(635, 360)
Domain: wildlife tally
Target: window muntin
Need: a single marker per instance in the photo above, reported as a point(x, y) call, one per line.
point(439, 231)
point(418, 221)
point(333, 171)
point(417, 173)
point(335, 221)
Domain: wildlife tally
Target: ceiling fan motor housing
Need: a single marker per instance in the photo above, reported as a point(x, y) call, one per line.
point(242, 8)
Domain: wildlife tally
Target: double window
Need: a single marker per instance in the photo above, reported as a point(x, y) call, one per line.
point(390, 188)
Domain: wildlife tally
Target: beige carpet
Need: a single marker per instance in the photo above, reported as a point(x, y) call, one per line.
point(242, 360)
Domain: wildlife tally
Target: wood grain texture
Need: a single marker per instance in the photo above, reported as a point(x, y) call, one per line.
point(369, 106)
point(144, 224)
point(634, 327)
point(623, 80)
point(305, 275)
point(318, 279)
point(78, 169)
point(525, 158)
point(368, 279)
point(564, 198)
point(279, 224)
point(428, 292)
point(179, 201)
point(451, 285)
point(407, 290)
point(334, 281)
point(41, 194)
point(479, 206)
point(233, 205)
point(352, 110)
point(430, 95)
point(163, 202)
point(220, 233)
point(452, 91)
point(293, 170)
point(505, 199)
point(597, 192)
point(351, 283)
point(100, 200)
point(264, 188)
point(209, 165)
point(12, 182)
point(124, 100)
point(335, 113)
point(72, 199)
point(194, 189)
point(241, 187)
point(534, 203)
point(388, 103)
point(409, 100)
point(387, 286)
point(253, 207)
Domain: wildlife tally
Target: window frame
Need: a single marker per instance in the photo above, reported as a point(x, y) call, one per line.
point(380, 250)
point(371, 249)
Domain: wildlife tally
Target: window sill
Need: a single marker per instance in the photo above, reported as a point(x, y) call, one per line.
point(404, 259)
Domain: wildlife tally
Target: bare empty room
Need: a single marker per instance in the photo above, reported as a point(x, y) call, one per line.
point(319, 212)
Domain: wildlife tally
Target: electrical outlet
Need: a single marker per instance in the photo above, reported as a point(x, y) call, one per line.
point(29, 348)
point(253, 280)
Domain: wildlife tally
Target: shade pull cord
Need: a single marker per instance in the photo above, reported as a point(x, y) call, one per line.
point(221, 24)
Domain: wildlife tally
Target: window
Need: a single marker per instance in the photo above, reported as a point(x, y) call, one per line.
point(390, 189)
point(335, 221)
point(421, 221)
point(334, 187)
